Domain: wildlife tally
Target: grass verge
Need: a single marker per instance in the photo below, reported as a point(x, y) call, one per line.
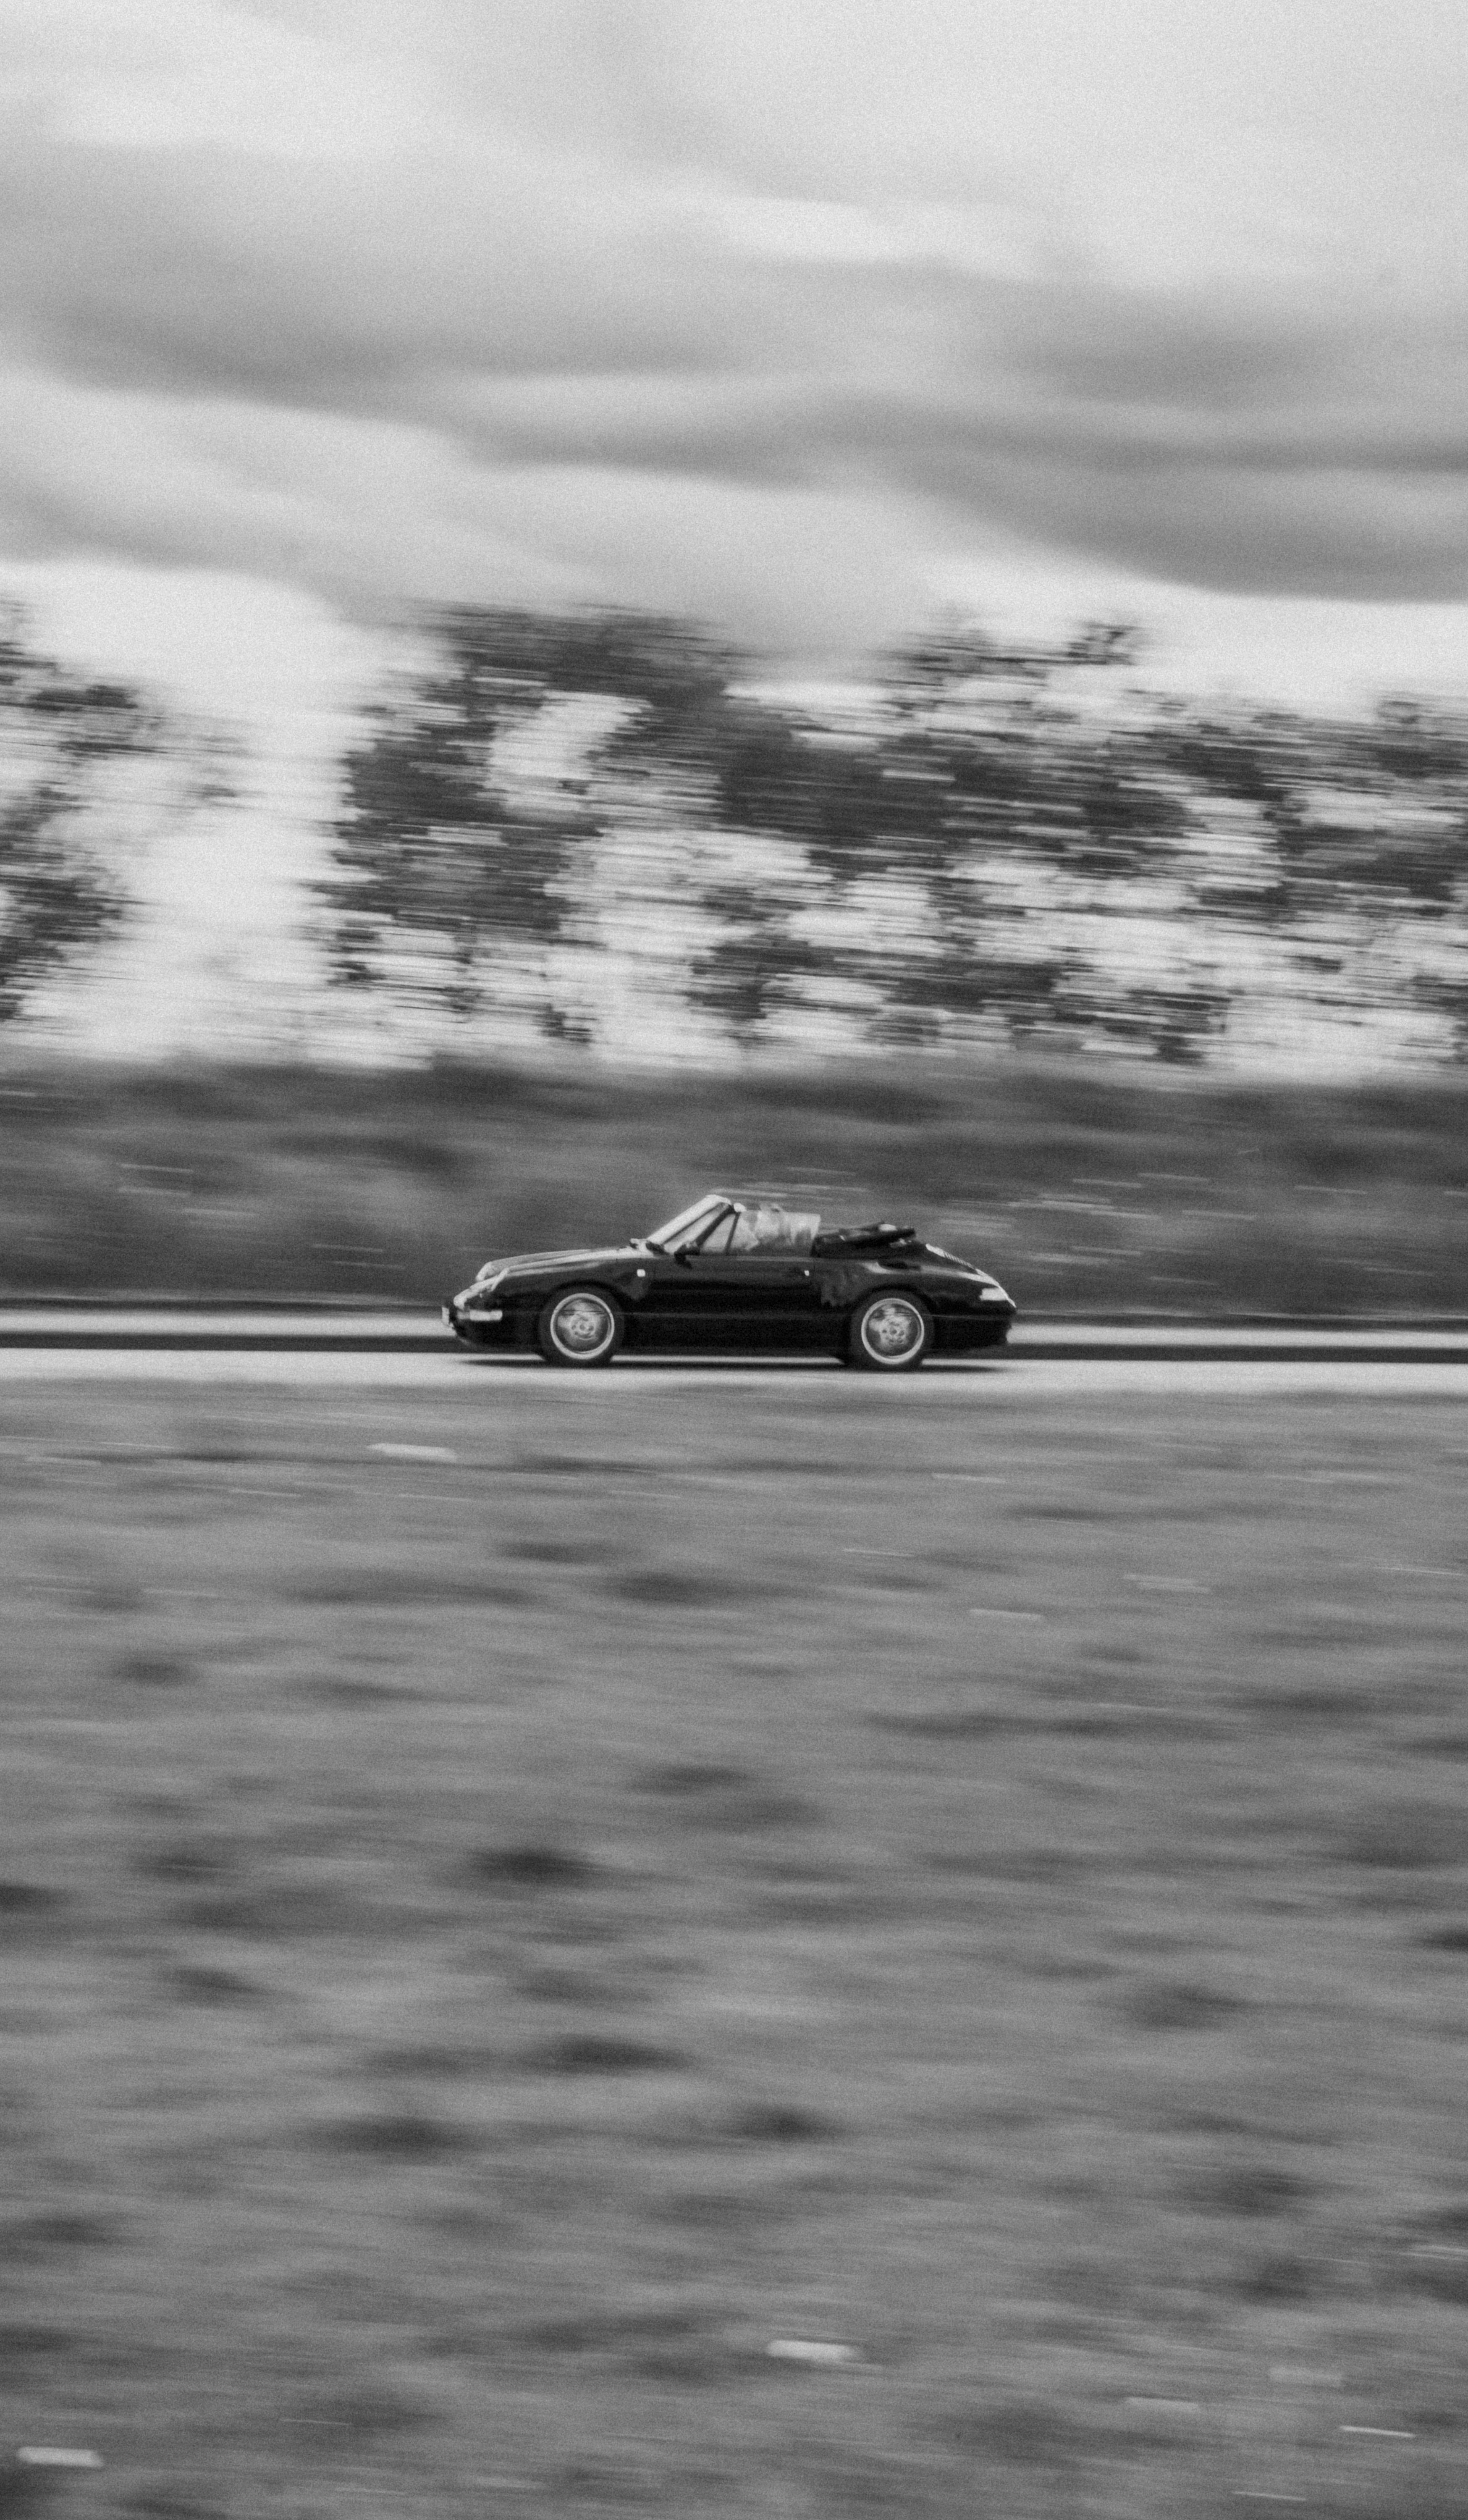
point(1018, 1936)
point(1084, 1186)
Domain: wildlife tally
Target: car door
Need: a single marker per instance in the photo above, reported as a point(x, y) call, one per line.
point(760, 1301)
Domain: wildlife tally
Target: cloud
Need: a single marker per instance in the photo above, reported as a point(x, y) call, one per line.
point(375, 513)
point(750, 310)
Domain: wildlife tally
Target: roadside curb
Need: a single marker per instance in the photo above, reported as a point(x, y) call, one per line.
point(1199, 1348)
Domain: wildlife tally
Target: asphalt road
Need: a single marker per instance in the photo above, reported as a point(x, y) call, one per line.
point(306, 1330)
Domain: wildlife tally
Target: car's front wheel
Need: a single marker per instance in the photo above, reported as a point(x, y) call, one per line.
point(581, 1326)
point(890, 1333)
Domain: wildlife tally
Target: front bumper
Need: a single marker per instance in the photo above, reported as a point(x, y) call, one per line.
point(963, 1334)
point(478, 1325)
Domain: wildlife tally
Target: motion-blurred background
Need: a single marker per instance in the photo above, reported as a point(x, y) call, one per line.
point(571, 543)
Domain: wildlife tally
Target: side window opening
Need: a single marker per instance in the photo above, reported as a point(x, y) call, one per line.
point(775, 1230)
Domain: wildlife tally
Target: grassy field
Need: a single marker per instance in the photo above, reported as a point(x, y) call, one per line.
point(1084, 1185)
point(492, 1943)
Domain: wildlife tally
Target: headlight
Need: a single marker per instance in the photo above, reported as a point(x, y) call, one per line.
point(488, 1279)
point(992, 1295)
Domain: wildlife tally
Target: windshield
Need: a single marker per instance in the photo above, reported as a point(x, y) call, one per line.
point(717, 1224)
point(702, 1212)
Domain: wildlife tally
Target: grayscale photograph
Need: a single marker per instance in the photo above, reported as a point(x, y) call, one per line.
point(734, 1259)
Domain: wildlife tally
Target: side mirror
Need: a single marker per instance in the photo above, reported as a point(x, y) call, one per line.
point(684, 1256)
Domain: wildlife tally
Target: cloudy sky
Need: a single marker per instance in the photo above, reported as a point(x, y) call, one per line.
point(801, 315)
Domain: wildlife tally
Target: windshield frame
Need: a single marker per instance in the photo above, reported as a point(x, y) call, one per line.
point(691, 1223)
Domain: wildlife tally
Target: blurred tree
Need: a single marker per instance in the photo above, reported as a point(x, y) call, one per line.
point(756, 960)
point(454, 856)
point(58, 735)
point(966, 753)
point(1005, 837)
point(1360, 815)
point(1009, 765)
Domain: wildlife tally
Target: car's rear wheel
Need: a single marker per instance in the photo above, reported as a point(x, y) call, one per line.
point(581, 1326)
point(890, 1333)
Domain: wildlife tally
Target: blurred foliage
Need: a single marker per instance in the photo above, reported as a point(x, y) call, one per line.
point(59, 736)
point(435, 851)
point(985, 842)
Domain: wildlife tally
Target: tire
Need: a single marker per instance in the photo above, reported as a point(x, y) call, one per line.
point(891, 1332)
point(580, 1327)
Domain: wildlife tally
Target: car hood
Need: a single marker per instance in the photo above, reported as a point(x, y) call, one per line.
point(528, 1263)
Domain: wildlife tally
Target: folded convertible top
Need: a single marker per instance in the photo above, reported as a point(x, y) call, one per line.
point(864, 1238)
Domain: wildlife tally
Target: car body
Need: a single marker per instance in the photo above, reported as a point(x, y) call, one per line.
point(734, 1275)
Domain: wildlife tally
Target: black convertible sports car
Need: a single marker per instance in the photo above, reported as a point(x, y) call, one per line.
point(734, 1276)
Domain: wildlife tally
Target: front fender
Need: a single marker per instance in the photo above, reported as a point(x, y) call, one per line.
point(629, 1286)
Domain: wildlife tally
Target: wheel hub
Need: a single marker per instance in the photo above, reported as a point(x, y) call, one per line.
point(581, 1323)
point(892, 1329)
